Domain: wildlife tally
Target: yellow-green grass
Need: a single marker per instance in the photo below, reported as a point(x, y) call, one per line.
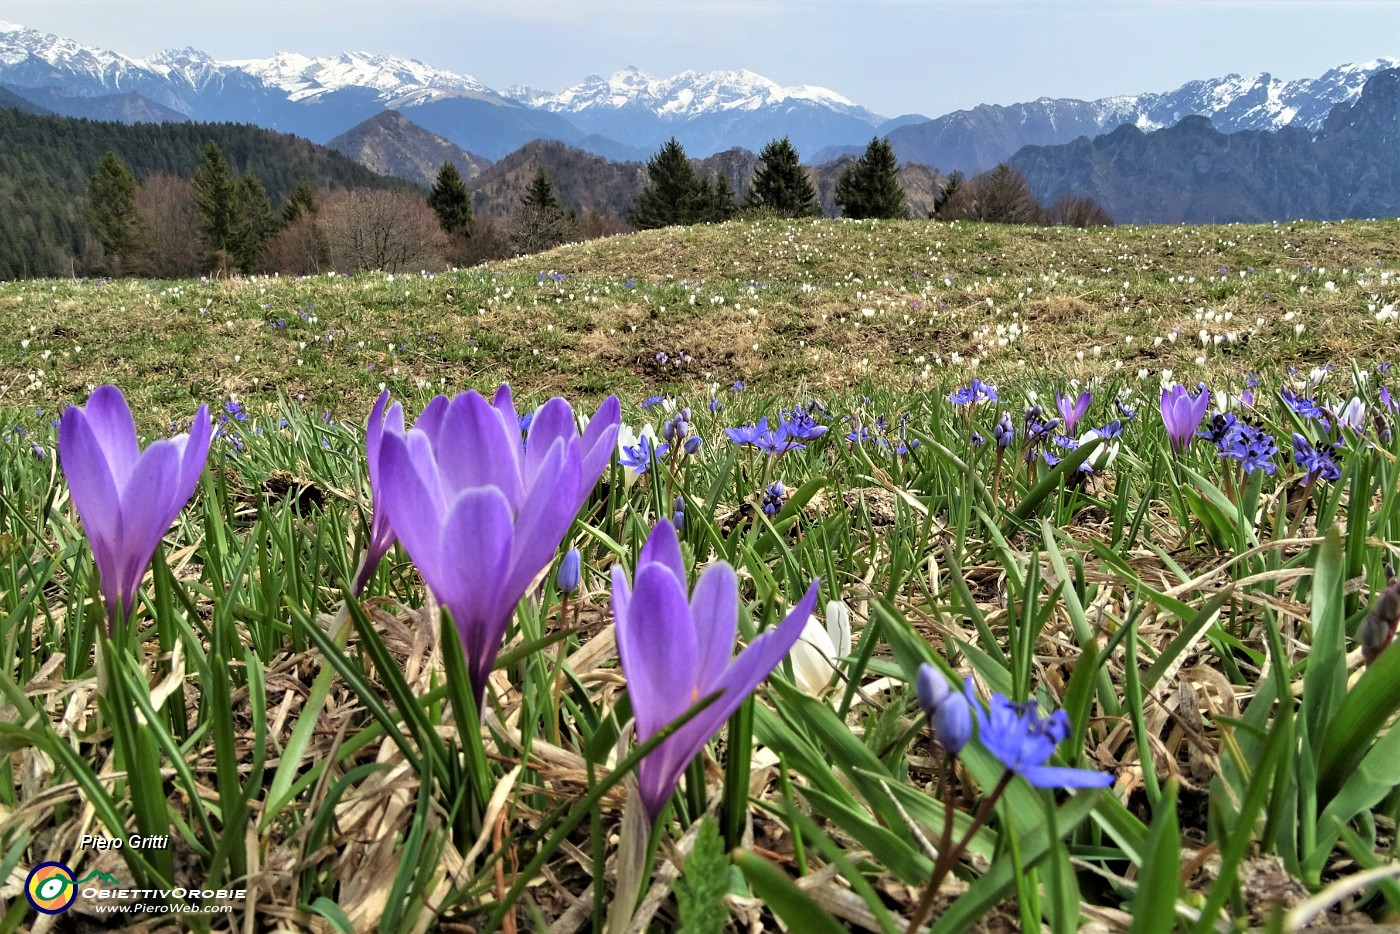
point(826, 304)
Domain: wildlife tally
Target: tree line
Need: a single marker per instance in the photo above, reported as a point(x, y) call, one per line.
point(142, 211)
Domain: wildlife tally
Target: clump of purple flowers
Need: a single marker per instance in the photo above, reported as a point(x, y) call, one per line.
point(1319, 460)
point(976, 391)
point(773, 498)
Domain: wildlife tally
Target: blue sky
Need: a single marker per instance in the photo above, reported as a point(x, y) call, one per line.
point(893, 56)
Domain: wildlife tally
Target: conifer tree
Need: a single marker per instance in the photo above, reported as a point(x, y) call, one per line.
point(253, 222)
point(540, 222)
point(869, 187)
point(214, 201)
point(111, 208)
point(451, 201)
point(540, 193)
point(724, 205)
point(782, 185)
point(302, 200)
point(673, 194)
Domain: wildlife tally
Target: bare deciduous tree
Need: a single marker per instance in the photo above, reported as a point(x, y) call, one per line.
point(1077, 211)
point(169, 247)
point(534, 228)
point(299, 248)
point(389, 230)
point(1000, 196)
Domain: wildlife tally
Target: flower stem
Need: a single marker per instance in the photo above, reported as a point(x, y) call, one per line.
point(948, 856)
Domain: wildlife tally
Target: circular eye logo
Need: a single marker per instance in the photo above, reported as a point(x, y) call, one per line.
point(51, 888)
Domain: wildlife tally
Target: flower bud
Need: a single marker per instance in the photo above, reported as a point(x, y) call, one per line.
point(692, 445)
point(952, 722)
point(570, 571)
point(932, 688)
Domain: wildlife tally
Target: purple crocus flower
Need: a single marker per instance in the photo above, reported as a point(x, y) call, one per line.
point(1182, 412)
point(1022, 741)
point(481, 511)
point(126, 498)
point(381, 533)
point(676, 651)
point(1072, 410)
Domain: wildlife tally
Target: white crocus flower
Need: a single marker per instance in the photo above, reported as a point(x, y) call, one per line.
point(1353, 415)
point(818, 649)
point(1104, 454)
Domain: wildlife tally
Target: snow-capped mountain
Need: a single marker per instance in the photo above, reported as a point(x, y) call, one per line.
point(1256, 102)
point(707, 111)
point(686, 95)
point(976, 139)
point(395, 79)
point(627, 115)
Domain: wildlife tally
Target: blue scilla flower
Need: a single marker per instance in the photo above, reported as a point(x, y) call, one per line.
point(773, 498)
point(1022, 741)
point(799, 424)
point(1308, 408)
point(1003, 431)
point(1319, 460)
point(748, 434)
point(638, 457)
point(973, 392)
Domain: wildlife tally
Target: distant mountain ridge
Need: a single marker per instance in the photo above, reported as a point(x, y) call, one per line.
point(1193, 173)
point(391, 144)
point(624, 116)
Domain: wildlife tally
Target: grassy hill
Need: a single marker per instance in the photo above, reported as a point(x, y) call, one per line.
point(826, 304)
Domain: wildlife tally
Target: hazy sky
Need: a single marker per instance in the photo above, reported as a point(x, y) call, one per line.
point(893, 56)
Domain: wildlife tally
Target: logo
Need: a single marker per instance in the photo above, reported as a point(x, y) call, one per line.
point(51, 888)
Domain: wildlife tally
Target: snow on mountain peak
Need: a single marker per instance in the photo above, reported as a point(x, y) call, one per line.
point(302, 77)
point(686, 95)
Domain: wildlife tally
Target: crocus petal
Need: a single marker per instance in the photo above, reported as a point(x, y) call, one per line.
point(90, 481)
point(474, 448)
point(599, 438)
point(1048, 776)
point(813, 658)
point(656, 644)
point(110, 419)
point(477, 535)
point(663, 547)
point(553, 422)
point(430, 419)
point(194, 454)
point(714, 607)
point(381, 533)
point(659, 773)
point(760, 658)
point(149, 504)
point(413, 498)
point(504, 403)
point(621, 592)
point(544, 518)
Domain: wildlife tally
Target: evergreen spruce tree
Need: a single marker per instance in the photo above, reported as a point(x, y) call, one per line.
point(782, 185)
point(253, 222)
point(111, 208)
point(451, 201)
point(540, 193)
point(302, 200)
point(540, 223)
point(869, 187)
point(214, 202)
point(724, 205)
point(945, 194)
point(673, 194)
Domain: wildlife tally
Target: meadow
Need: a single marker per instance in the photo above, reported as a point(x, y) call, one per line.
point(1144, 476)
